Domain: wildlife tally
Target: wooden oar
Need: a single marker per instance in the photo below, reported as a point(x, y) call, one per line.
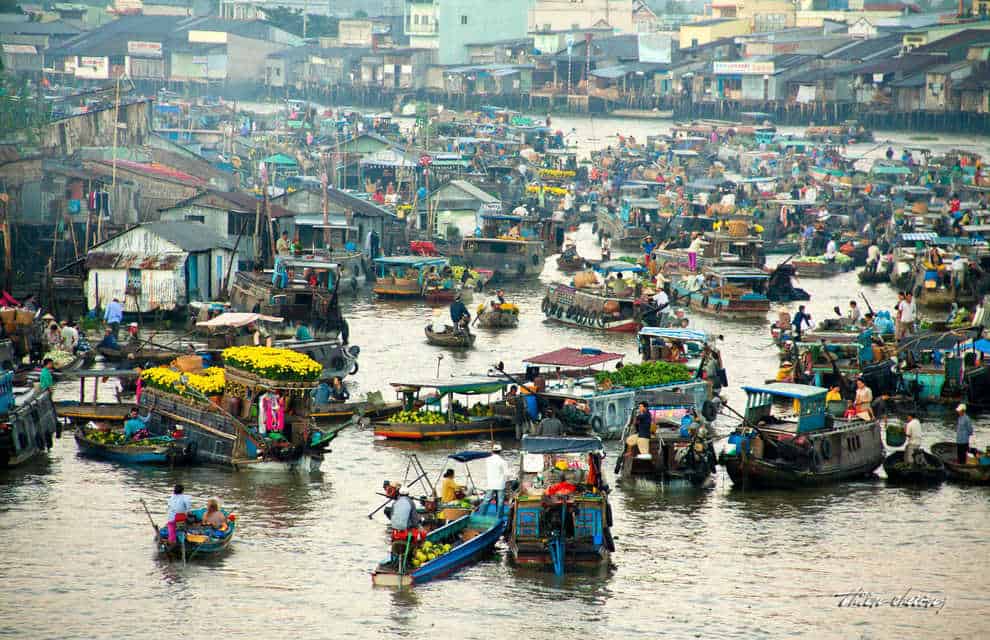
point(151, 520)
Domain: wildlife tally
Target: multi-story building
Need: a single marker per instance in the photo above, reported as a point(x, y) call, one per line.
point(449, 26)
point(554, 15)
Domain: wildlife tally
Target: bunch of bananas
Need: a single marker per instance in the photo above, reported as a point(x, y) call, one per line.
point(106, 437)
point(429, 552)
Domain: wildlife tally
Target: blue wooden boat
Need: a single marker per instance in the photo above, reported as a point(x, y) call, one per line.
point(469, 537)
point(107, 445)
point(196, 539)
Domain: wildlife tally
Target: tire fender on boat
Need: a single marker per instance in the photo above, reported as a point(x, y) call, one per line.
point(601, 319)
point(596, 424)
point(546, 304)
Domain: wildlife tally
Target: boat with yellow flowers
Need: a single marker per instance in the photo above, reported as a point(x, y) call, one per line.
point(214, 408)
point(496, 315)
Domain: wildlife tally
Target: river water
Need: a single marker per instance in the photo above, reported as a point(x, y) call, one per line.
point(78, 561)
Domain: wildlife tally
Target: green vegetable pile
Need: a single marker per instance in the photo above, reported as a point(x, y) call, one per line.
point(840, 258)
point(645, 375)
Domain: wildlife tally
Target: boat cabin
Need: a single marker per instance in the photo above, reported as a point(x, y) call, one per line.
point(508, 244)
point(561, 516)
point(806, 405)
point(685, 346)
point(412, 276)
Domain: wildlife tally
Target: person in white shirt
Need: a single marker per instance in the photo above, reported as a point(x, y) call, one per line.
point(606, 247)
point(697, 243)
point(909, 314)
point(178, 504)
point(831, 250)
point(913, 432)
point(70, 336)
point(497, 472)
point(853, 314)
point(959, 266)
point(873, 257)
point(661, 300)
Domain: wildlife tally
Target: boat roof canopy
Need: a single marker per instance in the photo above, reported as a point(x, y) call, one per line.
point(467, 385)
point(739, 273)
point(788, 390)
point(236, 319)
point(411, 261)
point(616, 266)
point(684, 335)
point(571, 357)
point(543, 444)
point(468, 456)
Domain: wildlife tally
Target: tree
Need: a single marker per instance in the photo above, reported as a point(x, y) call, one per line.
point(291, 20)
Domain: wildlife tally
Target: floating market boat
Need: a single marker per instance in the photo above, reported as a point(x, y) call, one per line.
point(676, 455)
point(570, 262)
point(426, 277)
point(99, 442)
point(735, 248)
point(497, 316)
point(695, 349)
point(899, 472)
point(424, 418)
point(610, 305)
point(975, 471)
point(802, 446)
point(139, 352)
point(449, 337)
point(600, 401)
point(821, 267)
point(459, 543)
point(215, 410)
point(293, 298)
point(509, 245)
point(232, 329)
point(733, 293)
point(196, 539)
point(373, 407)
point(617, 227)
point(28, 424)
point(561, 517)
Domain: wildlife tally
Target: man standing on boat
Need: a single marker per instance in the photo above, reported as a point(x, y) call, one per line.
point(964, 431)
point(459, 315)
point(644, 430)
point(801, 320)
point(113, 316)
point(404, 515)
point(913, 432)
point(179, 505)
point(497, 473)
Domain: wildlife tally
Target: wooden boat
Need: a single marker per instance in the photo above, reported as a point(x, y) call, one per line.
point(970, 473)
point(875, 276)
point(194, 539)
point(445, 417)
point(469, 537)
point(415, 277)
point(112, 413)
point(733, 293)
point(623, 235)
point(509, 245)
point(109, 445)
point(28, 421)
point(449, 338)
point(570, 262)
point(823, 269)
point(805, 446)
point(342, 411)
point(673, 457)
point(504, 316)
point(932, 472)
point(611, 305)
point(140, 353)
point(561, 518)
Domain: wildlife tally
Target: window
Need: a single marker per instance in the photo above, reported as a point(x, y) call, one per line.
point(196, 219)
point(463, 19)
point(132, 285)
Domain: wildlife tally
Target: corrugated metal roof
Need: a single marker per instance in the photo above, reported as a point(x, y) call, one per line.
point(109, 260)
point(571, 357)
point(188, 236)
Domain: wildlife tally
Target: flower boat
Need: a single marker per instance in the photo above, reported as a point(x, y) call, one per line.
point(805, 446)
point(215, 409)
point(561, 517)
point(439, 415)
point(97, 442)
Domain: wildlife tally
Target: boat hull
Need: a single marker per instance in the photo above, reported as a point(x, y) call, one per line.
point(932, 472)
point(411, 431)
point(32, 427)
point(963, 473)
point(449, 339)
point(620, 326)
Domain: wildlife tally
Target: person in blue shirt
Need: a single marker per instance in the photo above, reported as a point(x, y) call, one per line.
point(113, 316)
point(321, 394)
point(134, 423)
point(109, 340)
point(338, 391)
point(303, 333)
point(801, 320)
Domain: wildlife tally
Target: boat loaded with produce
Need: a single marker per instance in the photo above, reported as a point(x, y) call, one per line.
point(607, 299)
point(561, 518)
point(101, 442)
point(438, 413)
point(216, 408)
point(602, 401)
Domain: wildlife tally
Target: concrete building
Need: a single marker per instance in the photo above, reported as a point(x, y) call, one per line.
point(553, 15)
point(699, 33)
point(450, 26)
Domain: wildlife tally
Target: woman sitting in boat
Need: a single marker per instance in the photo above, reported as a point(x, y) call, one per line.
point(213, 516)
point(135, 425)
point(450, 491)
point(862, 405)
point(338, 392)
